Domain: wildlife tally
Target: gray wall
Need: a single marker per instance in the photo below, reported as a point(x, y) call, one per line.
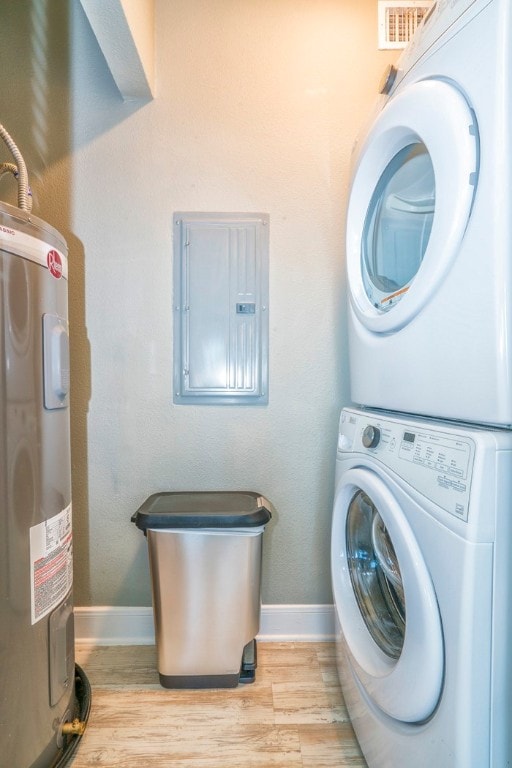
point(258, 104)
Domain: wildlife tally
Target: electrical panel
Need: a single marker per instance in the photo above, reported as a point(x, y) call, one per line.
point(221, 308)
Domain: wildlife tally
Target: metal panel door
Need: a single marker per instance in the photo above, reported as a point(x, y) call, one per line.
point(221, 308)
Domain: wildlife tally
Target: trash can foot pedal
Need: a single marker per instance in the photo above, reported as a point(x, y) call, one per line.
point(249, 663)
point(247, 676)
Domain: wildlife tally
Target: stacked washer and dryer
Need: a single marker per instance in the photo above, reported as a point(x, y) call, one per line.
point(422, 521)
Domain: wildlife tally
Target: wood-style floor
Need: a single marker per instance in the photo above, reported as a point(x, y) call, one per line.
point(292, 716)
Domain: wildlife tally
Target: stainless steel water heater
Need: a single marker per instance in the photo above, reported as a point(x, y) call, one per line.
point(37, 667)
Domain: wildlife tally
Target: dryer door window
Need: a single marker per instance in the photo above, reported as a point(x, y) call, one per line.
point(375, 575)
point(410, 202)
point(398, 225)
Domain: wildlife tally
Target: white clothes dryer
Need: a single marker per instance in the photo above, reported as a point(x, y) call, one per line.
point(421, 574)
point(429, 232)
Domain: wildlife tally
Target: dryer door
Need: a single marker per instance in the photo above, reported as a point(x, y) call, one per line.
point(410, 202)
point(385, 600)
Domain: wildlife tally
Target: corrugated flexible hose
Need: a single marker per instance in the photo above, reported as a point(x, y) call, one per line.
point(24, 194)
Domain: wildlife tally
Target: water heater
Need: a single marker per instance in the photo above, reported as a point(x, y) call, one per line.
point(39, 682)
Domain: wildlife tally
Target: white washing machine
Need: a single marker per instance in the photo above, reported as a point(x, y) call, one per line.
point(421, 573)
point(429, 233)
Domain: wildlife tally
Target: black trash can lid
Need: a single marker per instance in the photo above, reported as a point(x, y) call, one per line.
point(203, 509)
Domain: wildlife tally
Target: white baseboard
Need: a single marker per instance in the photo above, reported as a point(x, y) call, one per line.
point(113, 625)
point(286, 623)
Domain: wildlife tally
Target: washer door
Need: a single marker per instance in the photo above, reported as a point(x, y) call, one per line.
point(410, 202)
point(385, 600)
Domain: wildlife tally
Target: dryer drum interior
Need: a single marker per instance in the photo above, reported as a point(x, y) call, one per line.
point(398, 225)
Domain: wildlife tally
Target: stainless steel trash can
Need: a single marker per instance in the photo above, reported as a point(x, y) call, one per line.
point(205, 559)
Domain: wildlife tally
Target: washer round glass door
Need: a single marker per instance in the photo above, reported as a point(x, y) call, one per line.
point(385, 599)
point(410, 202)
point(375, 575)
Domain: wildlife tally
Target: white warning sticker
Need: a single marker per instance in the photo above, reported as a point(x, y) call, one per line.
point(51, 563)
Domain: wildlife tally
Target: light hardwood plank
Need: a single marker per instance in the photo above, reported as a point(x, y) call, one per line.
point(330, 746)
point(115, 707)
point(119, 665)
point(293, 716)
point(305, 703)
point(254, 745)
point(287, 662)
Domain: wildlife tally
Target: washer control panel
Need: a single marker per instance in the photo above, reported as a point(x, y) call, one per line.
point(435, 461)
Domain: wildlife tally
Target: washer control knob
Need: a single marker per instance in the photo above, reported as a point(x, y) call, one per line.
point(371, 436)
point(388, 79)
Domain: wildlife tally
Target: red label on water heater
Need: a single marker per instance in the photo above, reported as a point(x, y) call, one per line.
point(54, 263)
